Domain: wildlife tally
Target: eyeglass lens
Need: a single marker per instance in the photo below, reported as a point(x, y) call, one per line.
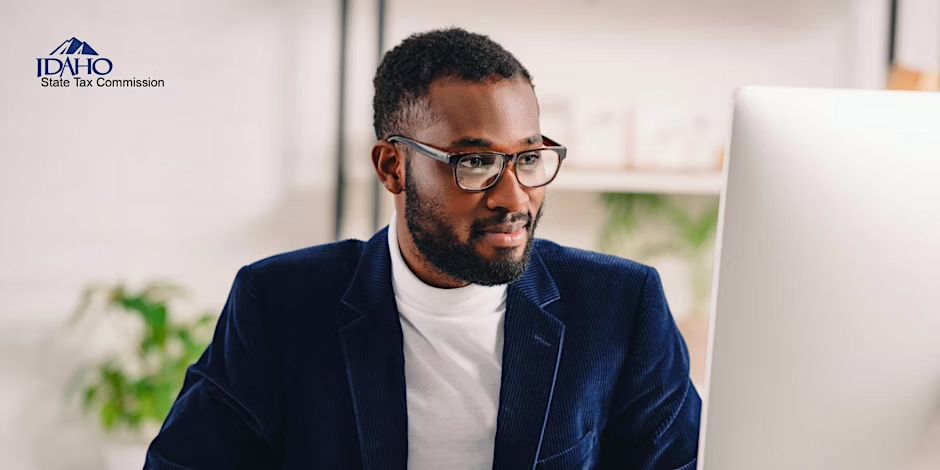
point(480, 171)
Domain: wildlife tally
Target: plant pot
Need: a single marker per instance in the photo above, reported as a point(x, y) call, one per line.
point(124, 455)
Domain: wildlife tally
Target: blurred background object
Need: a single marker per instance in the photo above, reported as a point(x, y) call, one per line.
point(132, 388)
point(241, 154)
point(915, 58)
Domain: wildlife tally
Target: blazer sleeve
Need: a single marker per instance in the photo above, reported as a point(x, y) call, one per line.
point(226, 413)
point(655, 423)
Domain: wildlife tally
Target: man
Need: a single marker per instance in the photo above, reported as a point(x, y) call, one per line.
point(452, 339)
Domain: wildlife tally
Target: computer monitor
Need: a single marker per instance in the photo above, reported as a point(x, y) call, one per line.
point(825, 336)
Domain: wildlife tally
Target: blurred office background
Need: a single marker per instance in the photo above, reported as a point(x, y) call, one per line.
point(236, 157)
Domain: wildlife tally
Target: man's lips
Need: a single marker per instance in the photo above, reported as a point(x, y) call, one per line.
point(506, 235)
point(506, 228)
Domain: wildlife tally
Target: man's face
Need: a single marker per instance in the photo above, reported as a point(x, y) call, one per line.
point(483, 237)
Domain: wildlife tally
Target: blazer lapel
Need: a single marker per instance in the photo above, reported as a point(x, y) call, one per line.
point(532, 346)
point(371, 339)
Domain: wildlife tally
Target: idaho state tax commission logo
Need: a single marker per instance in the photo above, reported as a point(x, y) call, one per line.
point(76, 63)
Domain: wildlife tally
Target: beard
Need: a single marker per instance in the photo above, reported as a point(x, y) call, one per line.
point(436, 237)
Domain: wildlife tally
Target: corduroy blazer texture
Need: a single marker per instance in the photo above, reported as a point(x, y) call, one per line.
point(306, 369)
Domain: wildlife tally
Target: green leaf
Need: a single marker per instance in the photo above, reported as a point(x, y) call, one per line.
point(158, 323)
point(147, 405)
point(88, 397)
point(163, 399)
point(109, 414)
point(114, 378)
point(133, 420)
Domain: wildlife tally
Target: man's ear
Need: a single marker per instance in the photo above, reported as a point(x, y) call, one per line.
point(389, 166)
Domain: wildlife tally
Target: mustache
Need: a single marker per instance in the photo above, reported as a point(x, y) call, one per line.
point(478, 227)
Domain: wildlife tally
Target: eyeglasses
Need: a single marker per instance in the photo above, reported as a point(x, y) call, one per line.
point(479, 171)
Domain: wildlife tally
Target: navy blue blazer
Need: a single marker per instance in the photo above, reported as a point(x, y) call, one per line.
point(306, 369)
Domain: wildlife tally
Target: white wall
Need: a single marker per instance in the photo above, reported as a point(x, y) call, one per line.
point(231, 161)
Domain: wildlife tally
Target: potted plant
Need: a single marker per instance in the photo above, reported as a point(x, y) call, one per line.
point(132, 388)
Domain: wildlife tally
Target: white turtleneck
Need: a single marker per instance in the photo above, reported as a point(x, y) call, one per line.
point(453, 346)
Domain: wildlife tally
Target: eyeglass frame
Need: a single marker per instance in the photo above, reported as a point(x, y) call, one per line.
point(453, 158)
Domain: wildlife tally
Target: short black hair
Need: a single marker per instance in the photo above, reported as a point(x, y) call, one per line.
point(407, 71)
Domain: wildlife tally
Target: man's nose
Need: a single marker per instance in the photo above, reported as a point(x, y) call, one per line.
point(508, 194)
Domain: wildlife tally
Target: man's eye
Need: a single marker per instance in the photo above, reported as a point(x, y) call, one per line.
point(472, 162)
point(529, 159)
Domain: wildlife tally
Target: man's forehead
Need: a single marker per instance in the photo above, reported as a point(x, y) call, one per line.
point(490, 114)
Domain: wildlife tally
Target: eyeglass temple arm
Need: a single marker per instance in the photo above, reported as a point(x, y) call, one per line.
point(429, 151)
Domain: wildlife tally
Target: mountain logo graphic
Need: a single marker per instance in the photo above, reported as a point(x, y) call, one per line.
point(74, 46)
point(73, 57)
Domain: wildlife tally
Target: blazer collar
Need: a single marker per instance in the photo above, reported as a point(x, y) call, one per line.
point(532, 346)
point(370, 289)
point(371, 340)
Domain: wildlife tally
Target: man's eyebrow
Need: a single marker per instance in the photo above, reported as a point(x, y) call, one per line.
point(481, 142)
point(533, 140)
point(471, 142)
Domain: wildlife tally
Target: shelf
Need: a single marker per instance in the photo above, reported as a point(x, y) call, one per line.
point(703, 183)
